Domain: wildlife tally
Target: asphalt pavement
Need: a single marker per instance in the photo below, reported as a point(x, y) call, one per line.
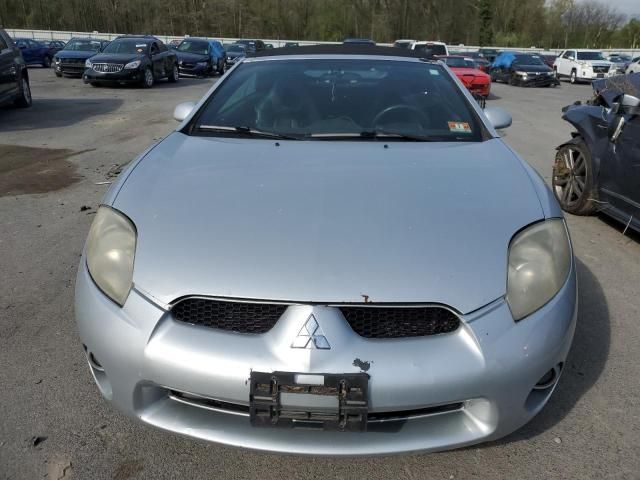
point(56, 160)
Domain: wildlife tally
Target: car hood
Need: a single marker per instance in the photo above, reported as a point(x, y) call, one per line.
point(191, 57)
point(465, 72)
point(75, 54)
point(318, 221)
point(116, 57)
point(235, 54)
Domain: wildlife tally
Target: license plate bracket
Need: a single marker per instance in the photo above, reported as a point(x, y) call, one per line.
point(285, 400)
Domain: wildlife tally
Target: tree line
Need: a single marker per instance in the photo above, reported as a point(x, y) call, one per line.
point(517, 23)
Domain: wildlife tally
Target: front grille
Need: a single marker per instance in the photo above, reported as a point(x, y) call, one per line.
point(600, 69)
point(72, 62)
point(399, 322)
point(231, 316)
point(108, 67)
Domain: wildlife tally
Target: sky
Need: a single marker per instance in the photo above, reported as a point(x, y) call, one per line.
point(628, 7)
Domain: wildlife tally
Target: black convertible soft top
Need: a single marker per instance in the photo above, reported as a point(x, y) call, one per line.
point(353, 49)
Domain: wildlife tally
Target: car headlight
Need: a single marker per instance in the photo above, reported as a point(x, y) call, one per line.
point(56, 60)
point(132, 65)
point(521, 74)
point(88, 63)
point(111, 247)
point(539, 263)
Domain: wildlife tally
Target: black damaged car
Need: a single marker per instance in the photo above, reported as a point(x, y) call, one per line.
point(599, 168)
point(132, 59)
point(71, 59)
point(522, 69)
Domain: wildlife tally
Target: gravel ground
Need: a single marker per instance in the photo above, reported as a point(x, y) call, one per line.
point(53, 423)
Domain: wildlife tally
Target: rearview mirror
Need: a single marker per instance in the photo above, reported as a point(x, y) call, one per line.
point(498, 117)
point(183, 110)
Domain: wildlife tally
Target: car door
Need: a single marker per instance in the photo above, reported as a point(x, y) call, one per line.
point(567, 63)
point(157, 60)
point(627, 163)
point(7, 68)
point(23, 45)
point(167, 58)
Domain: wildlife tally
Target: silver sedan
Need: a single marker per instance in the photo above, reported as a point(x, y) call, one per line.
point(333, 254)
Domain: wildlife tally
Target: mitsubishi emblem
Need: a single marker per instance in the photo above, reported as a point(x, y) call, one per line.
point(311, 336)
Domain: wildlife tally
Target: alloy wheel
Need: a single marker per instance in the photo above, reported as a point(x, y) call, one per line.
point(26, 91)
point(570, 176)
point(148, 78)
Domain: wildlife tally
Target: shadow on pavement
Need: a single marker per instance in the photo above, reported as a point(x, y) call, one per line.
point(55, 112)
point(585, 363)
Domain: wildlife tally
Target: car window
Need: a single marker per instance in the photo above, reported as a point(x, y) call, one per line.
point(316, 98)
point(590, 56)
point(459, 62)
point(198, 47)
point(431, 49)
point(127, 46)
point(162, 47)
point(83, 45)
point(154, 48)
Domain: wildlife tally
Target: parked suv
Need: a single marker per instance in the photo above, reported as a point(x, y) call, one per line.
point(14, 77)
point(132, 59)
point(34, 52)
point(582, 65)
point(72, 58)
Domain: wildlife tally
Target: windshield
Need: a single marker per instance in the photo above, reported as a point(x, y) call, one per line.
point(528, 60)
point(431, 48)
point(590, 56)
point(236, 48)
point(459, 62)
point(198, 47)
point(129, 46)
point(341, 99)
point(83, 45)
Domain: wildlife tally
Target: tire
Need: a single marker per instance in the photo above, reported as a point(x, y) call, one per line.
point(555, 72)
point(174, 76)
point(58, 74)
point(513, 81)
point(95, 84)
point(573, 79)
point(24, 100)
point(46, 63)
point(147, 79)
point(221, 69)
point(573, 181)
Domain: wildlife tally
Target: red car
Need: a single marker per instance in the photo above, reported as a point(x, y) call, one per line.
point(476, 81)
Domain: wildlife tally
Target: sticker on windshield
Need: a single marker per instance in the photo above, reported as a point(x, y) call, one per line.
point(143, 45)
point(433, 71)
point(459, 127)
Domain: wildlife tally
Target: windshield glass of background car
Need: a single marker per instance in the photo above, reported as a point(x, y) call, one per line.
point(590, 56)
point(432, 49)
point(83, 46)
point(459, 62)
point(127, 47)
point(200, 48)
point(528, 60)
point(236, 48)
point(316, 97)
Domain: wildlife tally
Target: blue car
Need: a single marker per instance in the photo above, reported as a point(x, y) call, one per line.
point(70, 60)
point(34, 52)
point(199, 57)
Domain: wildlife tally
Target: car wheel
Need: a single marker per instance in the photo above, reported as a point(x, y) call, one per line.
point(58, 74)
point(555, 72)
point(513, 80)
point(46, 63)
point(24, 95)
point(574, 77)
point(573, 182)
point(148, 80)
point(175, 74)
point(221, 69)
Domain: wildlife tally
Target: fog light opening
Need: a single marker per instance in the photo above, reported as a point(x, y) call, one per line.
point(95, 364)
point(99, 375)
point(549, 379)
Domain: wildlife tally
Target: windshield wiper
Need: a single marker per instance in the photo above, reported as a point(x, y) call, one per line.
point(373, 135)
point(248, 131)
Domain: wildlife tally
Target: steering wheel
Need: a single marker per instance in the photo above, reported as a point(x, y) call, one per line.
point(415, 111)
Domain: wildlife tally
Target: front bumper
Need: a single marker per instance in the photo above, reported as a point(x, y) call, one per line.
point(70, 67)
point(193, 69)
point(537, 81)
point(147, 364)
point(123, 76)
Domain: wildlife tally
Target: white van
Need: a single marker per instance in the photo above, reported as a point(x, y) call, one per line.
point(432, 48)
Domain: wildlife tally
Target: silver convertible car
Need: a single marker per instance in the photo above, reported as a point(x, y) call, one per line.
point(333, 254)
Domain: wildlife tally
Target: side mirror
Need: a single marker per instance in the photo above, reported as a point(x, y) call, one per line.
point(498, 117)
point(183, 110)
point(629, 105)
